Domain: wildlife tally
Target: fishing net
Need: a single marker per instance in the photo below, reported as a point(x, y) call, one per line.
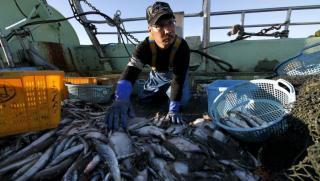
point(314, 127)
point(314, 152)
point(303, 171)
point(307, 110)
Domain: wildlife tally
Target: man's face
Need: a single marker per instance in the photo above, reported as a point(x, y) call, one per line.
point(163, 32)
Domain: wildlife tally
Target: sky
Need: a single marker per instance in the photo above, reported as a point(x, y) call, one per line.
point(193, 26)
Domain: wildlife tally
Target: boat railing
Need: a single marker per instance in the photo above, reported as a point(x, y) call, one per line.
point(206, 19)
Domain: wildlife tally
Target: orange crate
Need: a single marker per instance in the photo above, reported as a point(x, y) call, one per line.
point(81, 80)
point(30, 101)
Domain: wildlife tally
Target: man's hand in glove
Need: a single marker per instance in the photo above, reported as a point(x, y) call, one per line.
point(173, 116)
point(117, 114)
point(121, 108)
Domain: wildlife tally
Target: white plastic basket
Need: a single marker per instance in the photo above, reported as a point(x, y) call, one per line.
point(301, 64)
point(90, 92)
point(269, 100)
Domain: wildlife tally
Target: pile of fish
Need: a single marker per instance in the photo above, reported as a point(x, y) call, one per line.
point(82, 148)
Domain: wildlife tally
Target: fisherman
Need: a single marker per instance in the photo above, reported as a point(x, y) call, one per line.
point(168, 56)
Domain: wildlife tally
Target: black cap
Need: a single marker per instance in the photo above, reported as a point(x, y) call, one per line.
point(157, 10)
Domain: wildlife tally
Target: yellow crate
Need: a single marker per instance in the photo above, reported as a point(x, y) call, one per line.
point(81, 80)
point(30, 101)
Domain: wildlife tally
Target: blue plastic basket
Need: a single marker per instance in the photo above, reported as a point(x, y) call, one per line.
point(90, 92)
point(18, 69)
point(217, 87)
point(269, 100)
point(301, 64)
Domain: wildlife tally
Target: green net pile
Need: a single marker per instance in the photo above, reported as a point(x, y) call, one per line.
point(307, 109)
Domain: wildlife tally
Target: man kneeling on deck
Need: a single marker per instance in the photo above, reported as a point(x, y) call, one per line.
point(168, 55)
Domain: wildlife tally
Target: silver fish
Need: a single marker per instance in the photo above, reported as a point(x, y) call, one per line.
point(67, 153)
point(176, 129)
point(235, 118)
point(184, 145)
point(219, 136)
point(200, 133)
point(42, 142)
point(162, 151)
point(96, 135)
point(254, 121)
point(181, 168)
point(59, 148)
point(159, 165)
point(110, 157)
point(151, 131)
point(22, 170)
point(92, 164)
point(54, 171)
point(69, 142)
point(141, 176)
point(229, 123)
point(37, 166)
point(19, 163)
point(137, 122)
point(122, 146)
point(245, 175)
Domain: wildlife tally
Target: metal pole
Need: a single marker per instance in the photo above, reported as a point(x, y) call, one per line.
point(6, 51)
point(243, 14)
point(288, 19)
point(1, 64)
point(93, 38)
point(206, 28)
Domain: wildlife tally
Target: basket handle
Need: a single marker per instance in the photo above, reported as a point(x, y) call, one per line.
point(288, 87)
point(310, 46)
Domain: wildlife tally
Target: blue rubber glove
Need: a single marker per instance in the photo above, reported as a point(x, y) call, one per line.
point(173, 116)
point(121, 107)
